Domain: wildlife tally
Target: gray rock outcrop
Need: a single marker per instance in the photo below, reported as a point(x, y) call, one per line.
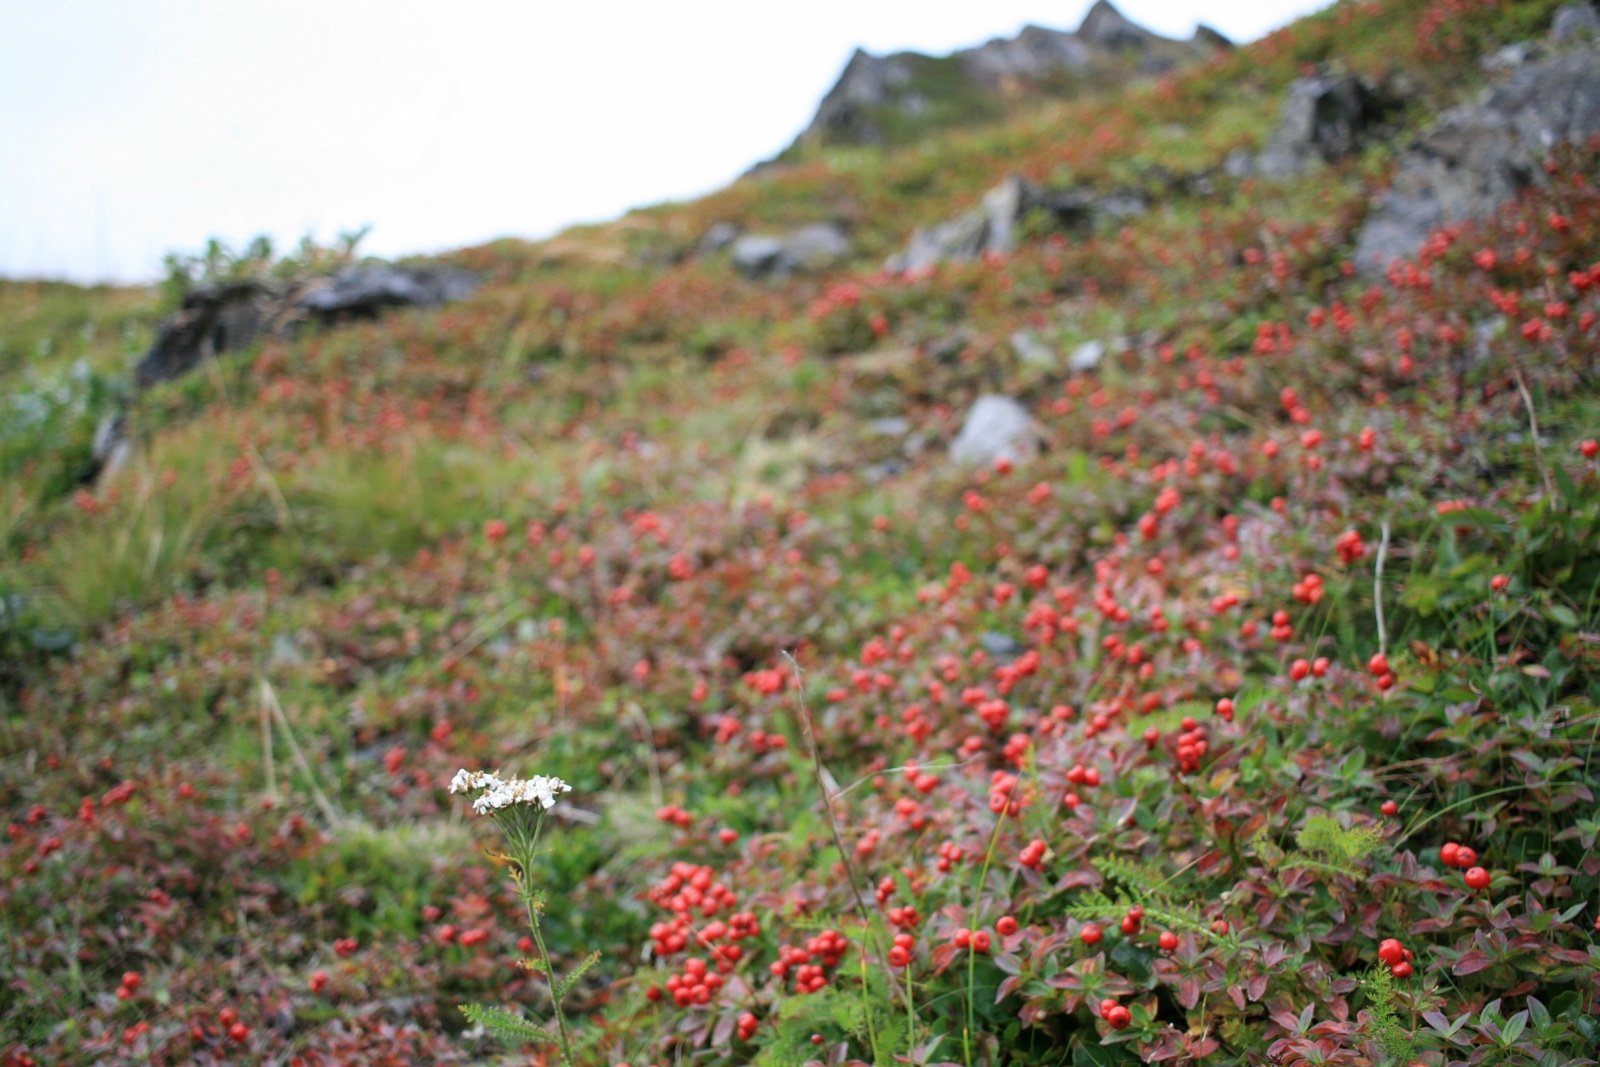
point(997, 427)
point(1479, 155)
point(806, 250)
point(228, 316)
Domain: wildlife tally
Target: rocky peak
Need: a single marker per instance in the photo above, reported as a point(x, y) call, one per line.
point(895, 98)
point(1106, 27)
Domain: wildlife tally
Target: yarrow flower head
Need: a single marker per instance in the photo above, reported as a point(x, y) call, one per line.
point(496, 793)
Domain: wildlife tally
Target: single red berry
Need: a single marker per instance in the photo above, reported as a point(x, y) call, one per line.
point(1590, 448)
point(1390, 808)
point(1091, 934)
point(1477, 878)
point(1402, 969)
point(1168, 941)
point(1391, 951)
point(1378, 665)
point(1449, 853)
point(1466, 857)
point(1006, 926)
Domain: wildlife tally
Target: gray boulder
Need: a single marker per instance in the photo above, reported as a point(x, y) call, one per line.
point(996, 428)
point(1479, 155)
point(228, 316)
point(364, 290)
point(806, 250)
point(211, 320)
point(1575, 22)
point(1325, 118)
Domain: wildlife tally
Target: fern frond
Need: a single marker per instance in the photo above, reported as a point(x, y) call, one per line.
point(506, 1027)
point(1324, 835)
point(1382, 1017)
point(576, 973)
point(1145, 881)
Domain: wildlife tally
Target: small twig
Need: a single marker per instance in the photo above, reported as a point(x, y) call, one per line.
point(905, 769)
point(270, 697)
point(1533, 426)
point(821, 775)
point(1377, 589)
point(647, 735)
point(266, 750)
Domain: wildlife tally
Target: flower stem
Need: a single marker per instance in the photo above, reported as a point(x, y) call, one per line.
point(549, 974)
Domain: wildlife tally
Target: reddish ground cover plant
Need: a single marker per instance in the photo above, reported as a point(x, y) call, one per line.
point(1253, 721)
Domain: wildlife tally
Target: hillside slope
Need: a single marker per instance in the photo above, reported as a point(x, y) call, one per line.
point(1230, 699)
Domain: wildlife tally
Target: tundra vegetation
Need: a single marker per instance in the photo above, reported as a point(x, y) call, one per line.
point(1249, 718)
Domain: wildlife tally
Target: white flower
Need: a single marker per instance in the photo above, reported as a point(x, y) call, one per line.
point(540, 790)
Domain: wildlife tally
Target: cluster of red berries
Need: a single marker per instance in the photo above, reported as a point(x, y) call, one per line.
point(900, 950)
point(675, 816)
point(1032, 854)
point(131, 981)
point(1378, 667)
point(827, 948)
point(695, 985)
point(229, 1023)
point(1117, 1016)
point(1281, 630)
point(1301, 669)
point(1396, 957)
point(1132, 921)
point(1349, 546)
point(1308, 590)
point(949, 854)
point(1003, 799)
point(747, 1025)
point(977, 940)
point(1465, 857)
point(1192, 744)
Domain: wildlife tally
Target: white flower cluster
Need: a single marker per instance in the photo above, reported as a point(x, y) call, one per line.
point(502, 793)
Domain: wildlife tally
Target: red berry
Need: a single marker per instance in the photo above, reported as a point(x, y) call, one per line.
point(1449, 853)
point(1091, 934)
point(1391, 951)
point(1466, 857)
point(1402, 969)
point(1378, 665)
point(1477, 878)
point(1168, 941)
point(1390, 808)
point(1006, 926)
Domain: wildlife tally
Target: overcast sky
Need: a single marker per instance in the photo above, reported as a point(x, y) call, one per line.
point(130, 129)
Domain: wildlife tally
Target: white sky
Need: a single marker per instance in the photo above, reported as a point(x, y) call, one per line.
point(130, 129)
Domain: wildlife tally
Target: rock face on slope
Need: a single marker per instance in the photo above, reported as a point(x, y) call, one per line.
point(1478, 155)
point(226, 317)
point(1326, 117)
point(883, 99)
point(992, 226)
